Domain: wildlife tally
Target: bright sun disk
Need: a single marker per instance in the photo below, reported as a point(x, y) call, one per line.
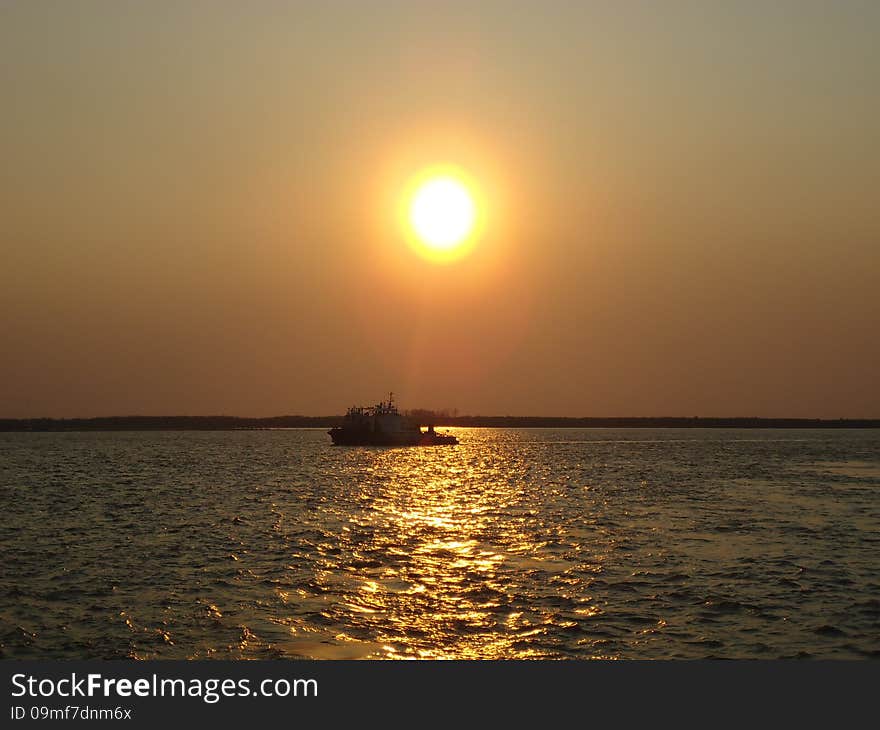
point(442, 213)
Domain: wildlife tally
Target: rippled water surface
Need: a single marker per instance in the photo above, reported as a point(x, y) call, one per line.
point(516, 543)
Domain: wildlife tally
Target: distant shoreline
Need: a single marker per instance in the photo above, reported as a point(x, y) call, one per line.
point(233, 423)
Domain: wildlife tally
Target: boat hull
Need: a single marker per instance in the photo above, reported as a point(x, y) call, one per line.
point(348, 437)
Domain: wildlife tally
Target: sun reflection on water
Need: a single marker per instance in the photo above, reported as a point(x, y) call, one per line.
point(437, 561)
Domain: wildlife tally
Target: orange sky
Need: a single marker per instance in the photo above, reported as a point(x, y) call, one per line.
point(198, 208)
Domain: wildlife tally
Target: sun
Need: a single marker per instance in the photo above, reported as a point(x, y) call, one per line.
point(442, 214)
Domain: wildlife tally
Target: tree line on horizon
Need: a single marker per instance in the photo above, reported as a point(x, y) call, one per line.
point(426, 417)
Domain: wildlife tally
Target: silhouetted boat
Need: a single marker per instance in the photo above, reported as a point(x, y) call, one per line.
point(383, 425)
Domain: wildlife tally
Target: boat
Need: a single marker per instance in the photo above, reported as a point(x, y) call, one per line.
point(383, 425)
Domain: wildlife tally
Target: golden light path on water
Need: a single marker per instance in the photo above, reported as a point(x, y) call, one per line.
point(437, 554)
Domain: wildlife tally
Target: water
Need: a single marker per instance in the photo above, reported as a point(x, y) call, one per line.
point(516, 543)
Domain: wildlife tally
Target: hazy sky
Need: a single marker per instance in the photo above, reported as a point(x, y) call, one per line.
point(198, 200)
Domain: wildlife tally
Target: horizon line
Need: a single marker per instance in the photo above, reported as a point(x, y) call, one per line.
point(436, 417)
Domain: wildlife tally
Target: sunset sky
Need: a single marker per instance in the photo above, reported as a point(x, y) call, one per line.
point(679, 207)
